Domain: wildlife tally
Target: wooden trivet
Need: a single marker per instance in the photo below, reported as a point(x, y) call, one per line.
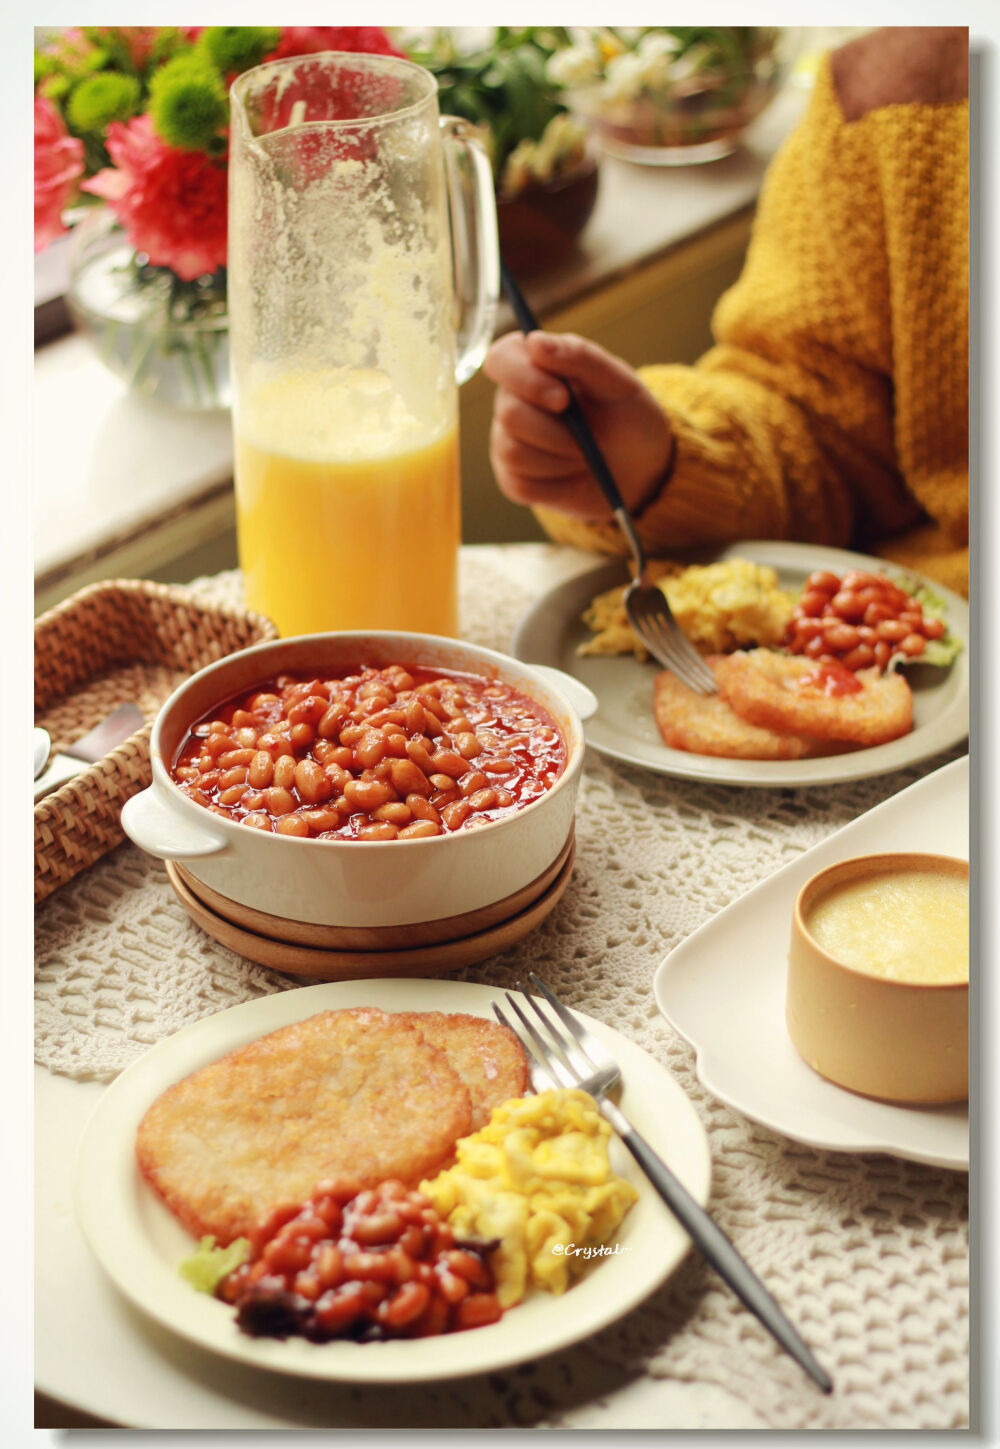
point(328, 963)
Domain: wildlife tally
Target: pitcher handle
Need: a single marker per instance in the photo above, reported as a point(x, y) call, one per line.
point(475, 244)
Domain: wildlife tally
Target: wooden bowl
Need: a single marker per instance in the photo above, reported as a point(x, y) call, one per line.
point(324, 953)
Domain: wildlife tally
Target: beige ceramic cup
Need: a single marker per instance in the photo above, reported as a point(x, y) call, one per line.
point(895, 1040)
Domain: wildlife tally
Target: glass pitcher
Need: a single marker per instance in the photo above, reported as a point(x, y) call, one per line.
point(363, 280)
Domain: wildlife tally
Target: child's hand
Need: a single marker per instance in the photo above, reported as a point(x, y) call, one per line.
point(533, 453)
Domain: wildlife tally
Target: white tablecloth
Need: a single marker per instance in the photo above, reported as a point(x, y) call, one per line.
point(868, 1253)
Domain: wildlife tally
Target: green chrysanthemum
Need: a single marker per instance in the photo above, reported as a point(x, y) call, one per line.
point(44, 66)
point(103, 98)
point(55, 87)
point(168, 42)
point(188, 103)
point(233, 48)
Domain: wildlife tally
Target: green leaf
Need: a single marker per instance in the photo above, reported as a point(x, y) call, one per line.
point(206, 1267)
point(502, 85)
point(938, 652)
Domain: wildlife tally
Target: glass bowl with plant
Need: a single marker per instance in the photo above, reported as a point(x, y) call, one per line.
point(670, 95)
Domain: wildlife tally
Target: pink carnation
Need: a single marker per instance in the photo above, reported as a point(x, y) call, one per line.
point(311, 39)
point(72, 49)
point(58, 164)
point(171, 203)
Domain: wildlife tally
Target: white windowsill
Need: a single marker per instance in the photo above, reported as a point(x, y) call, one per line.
point(109, 463)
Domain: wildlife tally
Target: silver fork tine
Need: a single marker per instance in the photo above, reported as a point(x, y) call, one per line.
point(706, 672)
point(672, 638)
point(705, 677)
point(682, 645)
point(673, 651)
point(668, 657)
point(564, 1074)
point(575, 1058)
point(680, 651)
point(684, 672)
point(678, 654)
point(539, 1070)
point(567, 1018)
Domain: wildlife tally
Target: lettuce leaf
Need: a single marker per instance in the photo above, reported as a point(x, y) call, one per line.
point(939, 653)
point(206, 1267)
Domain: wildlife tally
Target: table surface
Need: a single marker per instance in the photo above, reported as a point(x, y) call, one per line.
point(862, 1250)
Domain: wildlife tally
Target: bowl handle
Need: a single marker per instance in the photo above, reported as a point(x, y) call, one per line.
point(162, 831)
point(583, 700)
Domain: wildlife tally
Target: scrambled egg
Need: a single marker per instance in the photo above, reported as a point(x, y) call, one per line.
point(720, 606)
point(537, 1177)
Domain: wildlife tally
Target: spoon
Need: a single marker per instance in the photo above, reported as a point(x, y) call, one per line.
point(57, 769)
point(43, 747)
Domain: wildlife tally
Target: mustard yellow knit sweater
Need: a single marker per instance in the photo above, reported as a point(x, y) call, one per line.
point(834, 406)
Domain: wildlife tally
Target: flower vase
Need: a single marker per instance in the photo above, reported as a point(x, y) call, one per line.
point(168, 338)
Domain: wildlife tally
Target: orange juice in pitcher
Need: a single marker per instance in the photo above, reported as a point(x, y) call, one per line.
point(345, 523)
point(357, 218)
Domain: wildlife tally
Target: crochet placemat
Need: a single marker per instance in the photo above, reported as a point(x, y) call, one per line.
point(869, 1253)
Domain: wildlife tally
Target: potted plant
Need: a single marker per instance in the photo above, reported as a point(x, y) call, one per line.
point(544, 171)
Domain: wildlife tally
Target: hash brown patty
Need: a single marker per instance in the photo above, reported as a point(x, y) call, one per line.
point(777, 692)
point(707, 725)
point(356, 1093)
point(487, 1056)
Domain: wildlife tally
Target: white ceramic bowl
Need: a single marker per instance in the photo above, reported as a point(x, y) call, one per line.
point(355, 882)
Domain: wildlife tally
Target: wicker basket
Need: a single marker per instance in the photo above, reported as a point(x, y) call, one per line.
point(122, 640)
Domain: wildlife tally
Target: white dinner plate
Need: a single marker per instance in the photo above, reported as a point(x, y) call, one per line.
point(139, 1243)
point(723, 989)
point(625, 729)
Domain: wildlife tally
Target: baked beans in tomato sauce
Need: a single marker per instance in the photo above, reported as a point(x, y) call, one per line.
point(859, 620)
point(364, 1264)
point(394, 753)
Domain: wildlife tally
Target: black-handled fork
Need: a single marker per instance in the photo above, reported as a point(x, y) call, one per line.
point(645, 604)
point(575, 1058)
